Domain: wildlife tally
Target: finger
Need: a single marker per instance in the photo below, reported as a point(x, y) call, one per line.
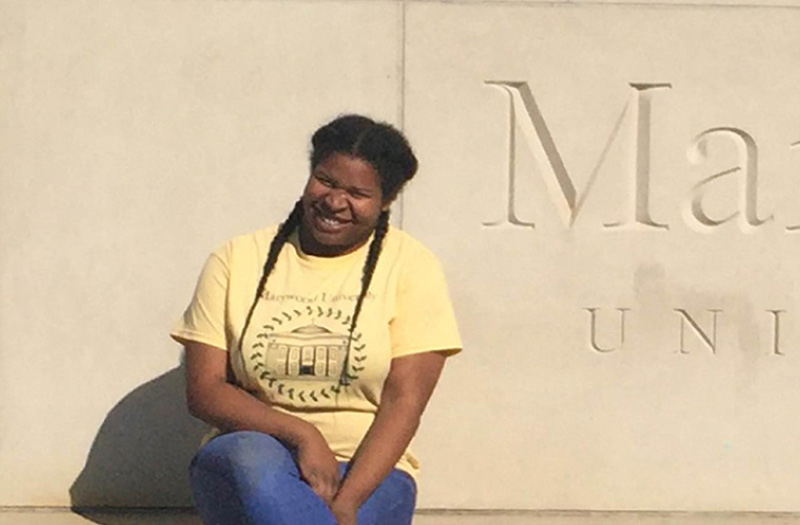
point(316, 484)
point(332, 483)
point(322, 489)
point(326, 496)
point(330, 491)
point(337, 476)
point(305, 475)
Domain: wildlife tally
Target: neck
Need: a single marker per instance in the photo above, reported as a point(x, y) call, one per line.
point(311, 246)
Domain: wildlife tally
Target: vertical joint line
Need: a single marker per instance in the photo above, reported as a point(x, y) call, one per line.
point(401, 117)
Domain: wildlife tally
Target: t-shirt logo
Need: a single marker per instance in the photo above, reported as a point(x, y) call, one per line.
point(299, 353)
point(309, 352)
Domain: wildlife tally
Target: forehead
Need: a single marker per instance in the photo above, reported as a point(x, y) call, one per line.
point(349, 171)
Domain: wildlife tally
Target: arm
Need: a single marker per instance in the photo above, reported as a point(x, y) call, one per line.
point(406, 392)
point(211, 398)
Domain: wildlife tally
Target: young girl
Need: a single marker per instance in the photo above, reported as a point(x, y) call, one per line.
point(313, 347)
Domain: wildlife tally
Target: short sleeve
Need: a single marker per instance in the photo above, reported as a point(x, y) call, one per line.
point(424, 319)
point(204, 319)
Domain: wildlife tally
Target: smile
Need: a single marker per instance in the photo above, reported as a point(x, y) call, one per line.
point(328, 224)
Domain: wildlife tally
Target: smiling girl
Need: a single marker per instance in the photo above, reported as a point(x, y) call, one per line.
point(313, 348)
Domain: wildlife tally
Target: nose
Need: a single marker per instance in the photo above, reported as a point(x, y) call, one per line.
point(336, 199)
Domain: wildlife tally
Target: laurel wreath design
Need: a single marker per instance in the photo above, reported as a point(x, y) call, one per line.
point(258, 357)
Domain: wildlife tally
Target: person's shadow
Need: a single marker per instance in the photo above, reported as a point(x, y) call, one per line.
point(141, 454)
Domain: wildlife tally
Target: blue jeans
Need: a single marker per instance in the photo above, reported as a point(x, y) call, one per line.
point(250, 478)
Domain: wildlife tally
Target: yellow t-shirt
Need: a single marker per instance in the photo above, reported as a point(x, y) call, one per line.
point(294, 349)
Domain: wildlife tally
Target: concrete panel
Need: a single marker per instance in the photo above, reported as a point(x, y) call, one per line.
point(612, 192)
point(136, 135)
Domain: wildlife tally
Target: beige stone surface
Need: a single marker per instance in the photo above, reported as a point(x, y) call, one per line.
point(661, 120)
point(135, 136)
point(63, 517)
point(648, 3)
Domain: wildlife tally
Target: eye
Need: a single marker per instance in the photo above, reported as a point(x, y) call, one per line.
point(324, 180)
point(356, 194)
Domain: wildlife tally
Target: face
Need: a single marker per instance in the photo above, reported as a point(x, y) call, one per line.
point(341, 205)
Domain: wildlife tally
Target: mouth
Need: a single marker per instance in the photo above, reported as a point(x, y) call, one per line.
point(327, 223)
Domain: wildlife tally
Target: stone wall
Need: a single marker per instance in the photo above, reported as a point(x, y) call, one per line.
point(610, 186)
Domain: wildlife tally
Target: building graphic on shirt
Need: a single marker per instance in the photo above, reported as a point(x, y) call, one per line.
point(300, 353)
point(309, 352)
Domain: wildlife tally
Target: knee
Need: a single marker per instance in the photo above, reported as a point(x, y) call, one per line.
point(401, 491)
point(244, 456)
point(392, 502)
point(404, 488)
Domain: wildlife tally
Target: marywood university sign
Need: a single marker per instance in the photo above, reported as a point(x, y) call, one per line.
point(524, 113)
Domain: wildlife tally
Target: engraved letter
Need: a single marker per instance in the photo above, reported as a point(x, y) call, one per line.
point(748, 154)
point(710, 342)
point(524, 111)
point(641, 219)
point(776, 331)
point(794, 145)
point(593, 330)
point(511, 217)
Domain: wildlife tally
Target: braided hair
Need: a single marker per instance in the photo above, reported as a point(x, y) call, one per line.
point(284, 231)
point(388, 152)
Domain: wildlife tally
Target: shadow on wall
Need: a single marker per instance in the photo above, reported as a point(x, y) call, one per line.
point(141, 454)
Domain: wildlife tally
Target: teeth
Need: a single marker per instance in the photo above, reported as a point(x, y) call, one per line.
point(331, 221)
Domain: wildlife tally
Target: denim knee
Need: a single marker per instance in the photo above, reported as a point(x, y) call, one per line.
point(392, 502)
point(244, 458)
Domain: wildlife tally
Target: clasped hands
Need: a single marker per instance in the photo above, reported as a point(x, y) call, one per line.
point(319, 468)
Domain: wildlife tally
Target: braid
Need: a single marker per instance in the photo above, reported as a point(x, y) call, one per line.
point(284, 230)
point(366, 277)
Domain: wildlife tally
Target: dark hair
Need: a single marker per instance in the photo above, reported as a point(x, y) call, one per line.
point(377, 143)
point(388, 151)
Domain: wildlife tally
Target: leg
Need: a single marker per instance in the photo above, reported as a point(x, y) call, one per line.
point(250, 478)
point(392, 503)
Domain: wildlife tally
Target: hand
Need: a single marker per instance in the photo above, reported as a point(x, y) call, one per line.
point(318, 466)
point(345, 512)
